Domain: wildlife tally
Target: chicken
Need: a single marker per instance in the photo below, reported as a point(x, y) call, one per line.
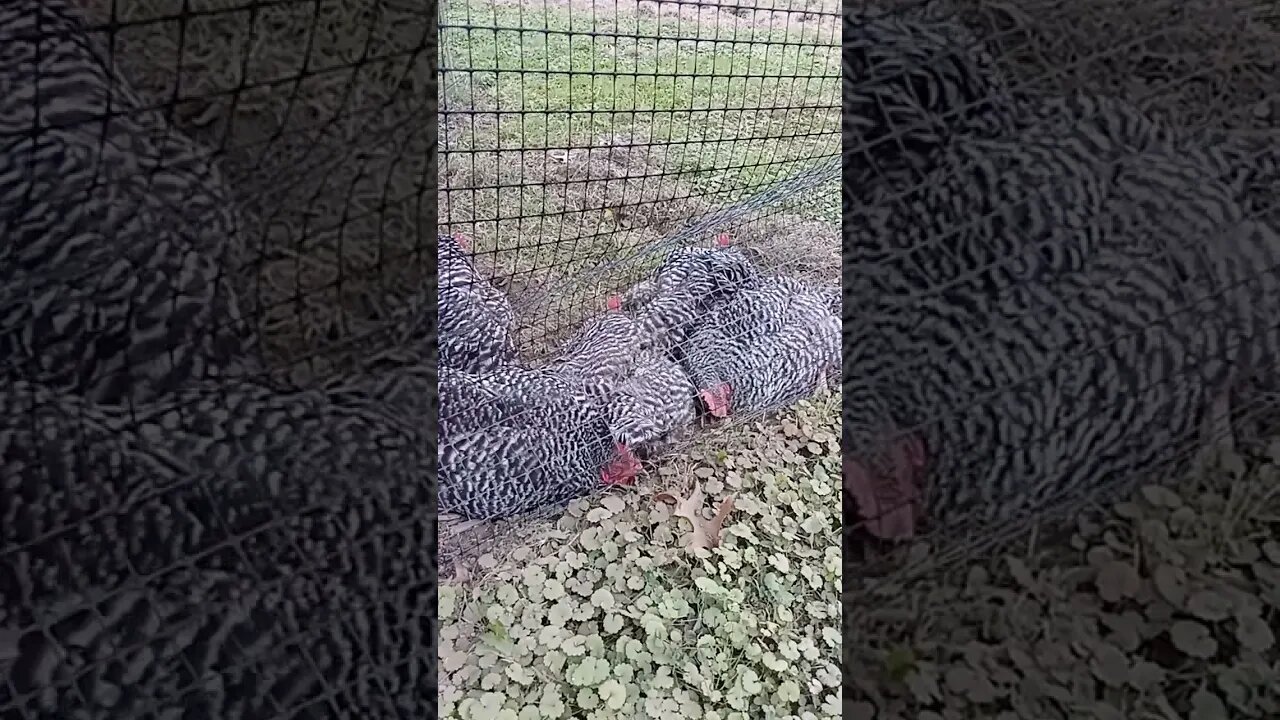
point(550, 444)
point(476, 325)
point(916, 83)
point(654, 407)
point(510, 396)
point(120, 233)
point(1127, 304)
point(234, 552)
point(913, 83)
point(772, 343)
point(617, 356)
point(683, 288)
point(1007, 211)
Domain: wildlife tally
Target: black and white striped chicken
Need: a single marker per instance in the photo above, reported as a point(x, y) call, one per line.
point(683, 288)
point(618, 357)
point(514, 440)
point(912, 85)
point(119, 231)
point(776, 340)
point(234, 553)
point(1051, 313)
point(917, 84)
point(475, 321)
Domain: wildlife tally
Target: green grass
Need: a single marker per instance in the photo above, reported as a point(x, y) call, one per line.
point(586, 134)
point(666, 83)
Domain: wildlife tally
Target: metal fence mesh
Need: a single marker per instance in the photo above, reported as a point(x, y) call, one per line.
point(219, 495)
point(207, 510)
point(584, 148)
point(581, 143)
point(1060, 274)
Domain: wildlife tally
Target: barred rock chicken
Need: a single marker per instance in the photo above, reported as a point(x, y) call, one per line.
point(1133, 291)
point(118, 232)
point(1022, 194)
point(475, 320)
point(911, 85)
point(683, 288)
point(518, 440)
point(616, 357)
point(916, 84)
point(236, 553)
point(773, 342)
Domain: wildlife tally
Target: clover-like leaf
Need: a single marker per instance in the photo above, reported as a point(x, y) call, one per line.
point(1117, 580)
point(1193, 639)
point(1110, 665)
point(1170, 582)
point(1254, 633)
point(613, 693)
point(1205, 705)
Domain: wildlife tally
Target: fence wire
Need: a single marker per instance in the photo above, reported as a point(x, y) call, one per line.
point(212, 212)
point(1060, 269)
point(641, 198)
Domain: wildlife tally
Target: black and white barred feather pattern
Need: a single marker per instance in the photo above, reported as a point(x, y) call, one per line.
point(655, 405)
point(773, 342)
point(1125, 305)
point(917, 82)
point(912, 83)
point(617, 357)
point(511, 396)
point(474, 320)
point(515, 440)
point(687, 284)
point(235, 553)
point(119, 231)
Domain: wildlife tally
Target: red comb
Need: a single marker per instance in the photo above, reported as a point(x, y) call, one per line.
point(723, 240)
point(463, 240)
point(613, 303)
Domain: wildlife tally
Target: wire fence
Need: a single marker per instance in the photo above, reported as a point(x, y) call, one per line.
point(613, 173)
point(209, 509)
point(582, 143)
point(1060, 267)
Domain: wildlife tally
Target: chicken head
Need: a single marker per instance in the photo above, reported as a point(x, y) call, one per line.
point(622, 469)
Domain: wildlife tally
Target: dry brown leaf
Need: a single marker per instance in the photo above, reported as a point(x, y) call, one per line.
point(706, 533)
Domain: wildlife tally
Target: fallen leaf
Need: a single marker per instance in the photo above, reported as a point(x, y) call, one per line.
point(460, 574)
point(706, 533)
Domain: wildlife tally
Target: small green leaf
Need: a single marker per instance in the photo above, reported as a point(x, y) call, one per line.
point(613, 693)
point(1193, 639)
